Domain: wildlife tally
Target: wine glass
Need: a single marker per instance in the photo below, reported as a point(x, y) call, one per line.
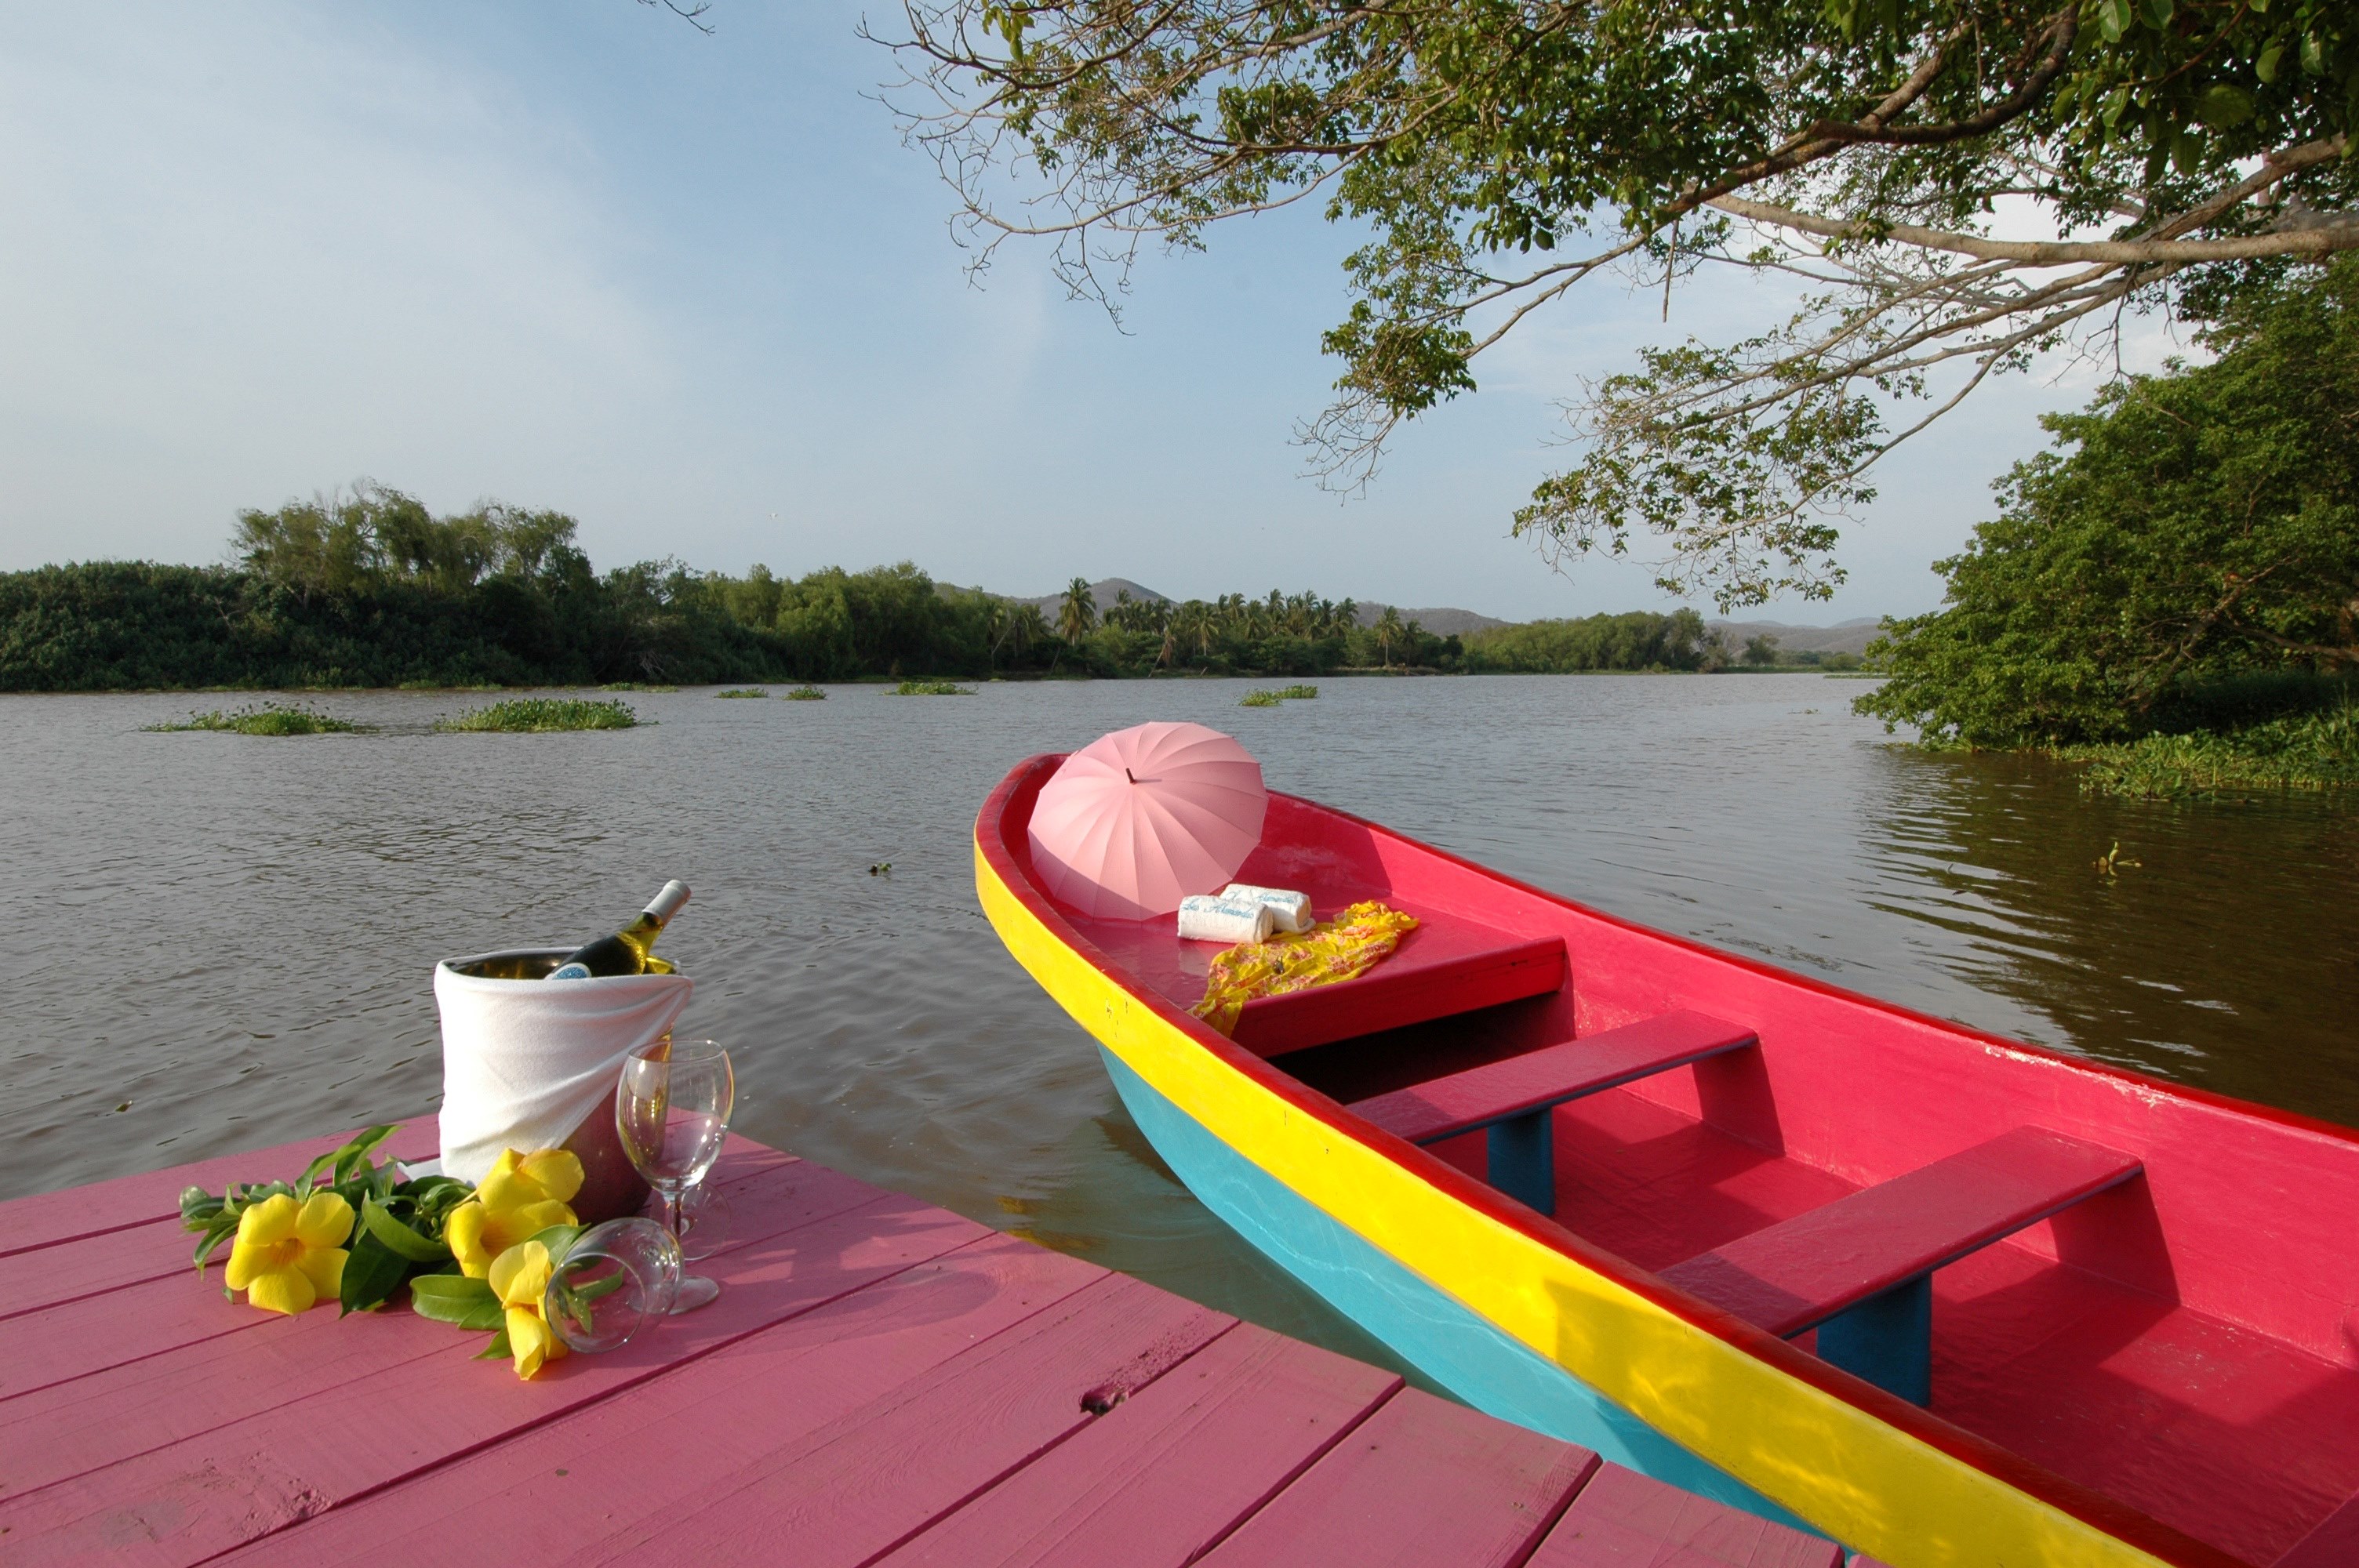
point(704, 1218)
point(614, 1280)
point(671, 1110)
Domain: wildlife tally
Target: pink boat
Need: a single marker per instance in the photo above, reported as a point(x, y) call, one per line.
point(1944, 1297)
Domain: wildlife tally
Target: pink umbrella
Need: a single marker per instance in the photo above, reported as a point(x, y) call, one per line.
point(1137, 820)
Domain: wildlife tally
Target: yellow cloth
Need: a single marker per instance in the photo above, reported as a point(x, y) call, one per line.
point(1338, 949)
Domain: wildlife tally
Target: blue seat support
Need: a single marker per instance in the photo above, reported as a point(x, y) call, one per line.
point(1512, 1098)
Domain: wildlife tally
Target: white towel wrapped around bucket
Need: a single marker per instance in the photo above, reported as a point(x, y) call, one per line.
point(1203, 918)
point(525, 1062)
point(1291, 909)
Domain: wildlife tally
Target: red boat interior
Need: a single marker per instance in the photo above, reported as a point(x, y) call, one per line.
point(2145, 1292)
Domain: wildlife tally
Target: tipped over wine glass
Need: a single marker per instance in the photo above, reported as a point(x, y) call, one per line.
point(671, 1112)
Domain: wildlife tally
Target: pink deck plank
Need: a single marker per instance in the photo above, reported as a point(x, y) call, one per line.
point(1169, 1472)
point(50, 1217)
point(193, 1499)
point(561, 1490)
point(1624, 1519)
point(879, 1474)
point(93, 1265)
point(255, 1363)
point(1420, 1482)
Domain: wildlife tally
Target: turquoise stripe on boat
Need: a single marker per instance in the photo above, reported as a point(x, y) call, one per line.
point(1450, 1345)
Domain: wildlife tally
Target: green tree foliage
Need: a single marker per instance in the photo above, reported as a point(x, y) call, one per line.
point(2191, 529)
point(1640, 640)
point(1497, 153)
point(1079, 611)
point(369, 588)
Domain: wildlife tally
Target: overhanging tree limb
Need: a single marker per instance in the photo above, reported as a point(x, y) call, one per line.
point(1498, 153)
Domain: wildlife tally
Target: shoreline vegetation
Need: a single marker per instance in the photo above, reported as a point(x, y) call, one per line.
point(366, 588)
point(2170, 595)
point(2307, 751)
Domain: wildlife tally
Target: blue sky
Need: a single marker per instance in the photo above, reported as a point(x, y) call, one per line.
point(693, 291)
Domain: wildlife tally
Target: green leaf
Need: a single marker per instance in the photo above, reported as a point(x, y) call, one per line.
point(2159, 12)
point(398, 1237)
point(355, 1155)
point(558, 1239)
point(498, 1348)
point(2266, 67)
point(2313, 54)
point(455, 1299)
point(2222, 106)
point(371, 1273)
point(223, 1227)
point(198, 1207)
point(2114, 19)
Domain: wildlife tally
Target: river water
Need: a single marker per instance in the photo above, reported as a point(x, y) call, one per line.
point(225, 941)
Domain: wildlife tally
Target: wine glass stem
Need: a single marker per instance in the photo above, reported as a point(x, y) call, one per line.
point(672, 1195)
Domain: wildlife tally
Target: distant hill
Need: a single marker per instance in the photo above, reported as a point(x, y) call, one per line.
point(1844, 637)
point(1104, 593)
point(1442, 621)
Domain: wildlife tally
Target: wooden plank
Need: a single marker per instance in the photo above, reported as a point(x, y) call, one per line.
point(1170, 1471)
point(876, 1476)
point(1624, 1519)
point(47, 1219)
point(1446, 966)
point(628, 1468)
point(2333, 1542)
point(1805, 1269)
point(1420, 1482)
point(1441, 1108)
point(233, 1363)
point(194, 1499)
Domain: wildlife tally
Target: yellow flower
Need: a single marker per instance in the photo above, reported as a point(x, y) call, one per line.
point(523, 1196)
point(519, 1278)
point(289, 1255)
point(553, 1175)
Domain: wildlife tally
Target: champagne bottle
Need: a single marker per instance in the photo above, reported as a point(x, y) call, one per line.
point(625, 952)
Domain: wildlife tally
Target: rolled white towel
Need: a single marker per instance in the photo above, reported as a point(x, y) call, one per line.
point(1292, 909)
point(1203, 918)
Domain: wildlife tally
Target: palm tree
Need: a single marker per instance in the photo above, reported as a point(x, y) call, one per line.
point(1079, 611)
point(1193, 621)
point(1388, 631)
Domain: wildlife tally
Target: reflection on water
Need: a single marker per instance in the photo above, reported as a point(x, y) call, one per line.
point(2227, 955)
point(225, 941)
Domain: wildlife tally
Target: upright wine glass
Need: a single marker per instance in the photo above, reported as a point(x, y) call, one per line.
point(671, 1111)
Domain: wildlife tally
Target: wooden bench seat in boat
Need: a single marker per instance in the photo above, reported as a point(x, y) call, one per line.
point(1446, 966)
point(1512, 1098)
point(1859, 1269)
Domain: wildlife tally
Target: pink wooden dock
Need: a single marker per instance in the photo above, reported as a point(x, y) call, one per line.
point(880, 1382)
